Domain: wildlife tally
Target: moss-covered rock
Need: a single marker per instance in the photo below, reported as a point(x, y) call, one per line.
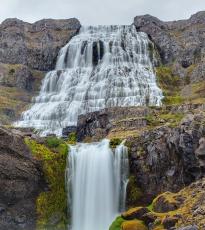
point(165, 203)
point(114, 142)
point(52, 204)
point(174, 210)
point(135, 213)
point(133, 225)
point(170, 85)
point(134, 193)
point(72, 138)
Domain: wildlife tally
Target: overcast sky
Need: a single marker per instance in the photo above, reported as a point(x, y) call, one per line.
point(92, 12)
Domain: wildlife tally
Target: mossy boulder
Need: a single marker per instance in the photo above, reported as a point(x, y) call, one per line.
point(169, 222)
point(133, 225)
point(134, 193)
point(165, 202)
point(135, 213)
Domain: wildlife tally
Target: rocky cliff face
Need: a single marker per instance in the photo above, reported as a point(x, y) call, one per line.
point(166, 145)
point(21, 181)
point(35, 45)
point(180, 43)
point(27, 51)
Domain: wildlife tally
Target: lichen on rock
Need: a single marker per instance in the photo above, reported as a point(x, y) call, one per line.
point(51, 204)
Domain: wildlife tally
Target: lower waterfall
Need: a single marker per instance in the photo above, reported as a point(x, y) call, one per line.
point(96, 179)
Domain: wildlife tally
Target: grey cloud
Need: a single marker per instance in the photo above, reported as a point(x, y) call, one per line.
point(91, 12)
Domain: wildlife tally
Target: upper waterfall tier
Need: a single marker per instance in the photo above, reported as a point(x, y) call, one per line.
point(103, 66)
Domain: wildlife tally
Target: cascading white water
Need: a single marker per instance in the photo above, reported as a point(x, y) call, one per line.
point(103, 66)
point(96, 184)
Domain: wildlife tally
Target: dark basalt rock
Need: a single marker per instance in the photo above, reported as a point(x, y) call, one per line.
point(171, 156)
point(180, 43)
point(20, 182)
point(161, 159)
point(68, 130)
point(35, 45)
point(20, 77)
point(98, 52)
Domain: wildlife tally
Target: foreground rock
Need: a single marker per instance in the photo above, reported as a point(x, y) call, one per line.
point(20, 182)
point(169, 211)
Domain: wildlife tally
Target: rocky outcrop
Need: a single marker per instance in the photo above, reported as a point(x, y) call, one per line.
point(27, 51)
point(21, 180)
point(168, 158)
point(98, 125)
point(19, 76)
point(180, 43)
point(166, 145)
point(35, 45)
point(170, 211)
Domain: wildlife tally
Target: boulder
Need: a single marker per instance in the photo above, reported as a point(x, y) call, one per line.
point(135, 213)
point(165, 203)
point(133, 225)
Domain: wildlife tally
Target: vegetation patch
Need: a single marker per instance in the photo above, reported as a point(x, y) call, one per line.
point(134, 193)
point(52, 204)
point(163, 117)
point(170, 85)
point(72, 138)
point(114, 142)
point(116, 225)
point(194, 93)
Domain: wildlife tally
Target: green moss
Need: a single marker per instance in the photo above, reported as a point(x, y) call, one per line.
point(134, 192)
point(151, 120)
point(53, 202)
point(150, 207)
point(163, 117)
point(172, 118)
point(72, 138)
point(116, 225)
point(114, 142)
point(134, 224)
point(53, 142)
point(170, 85)
point(173, 100)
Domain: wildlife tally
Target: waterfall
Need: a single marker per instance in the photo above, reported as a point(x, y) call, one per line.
point(96, 184)
point(102, 66)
